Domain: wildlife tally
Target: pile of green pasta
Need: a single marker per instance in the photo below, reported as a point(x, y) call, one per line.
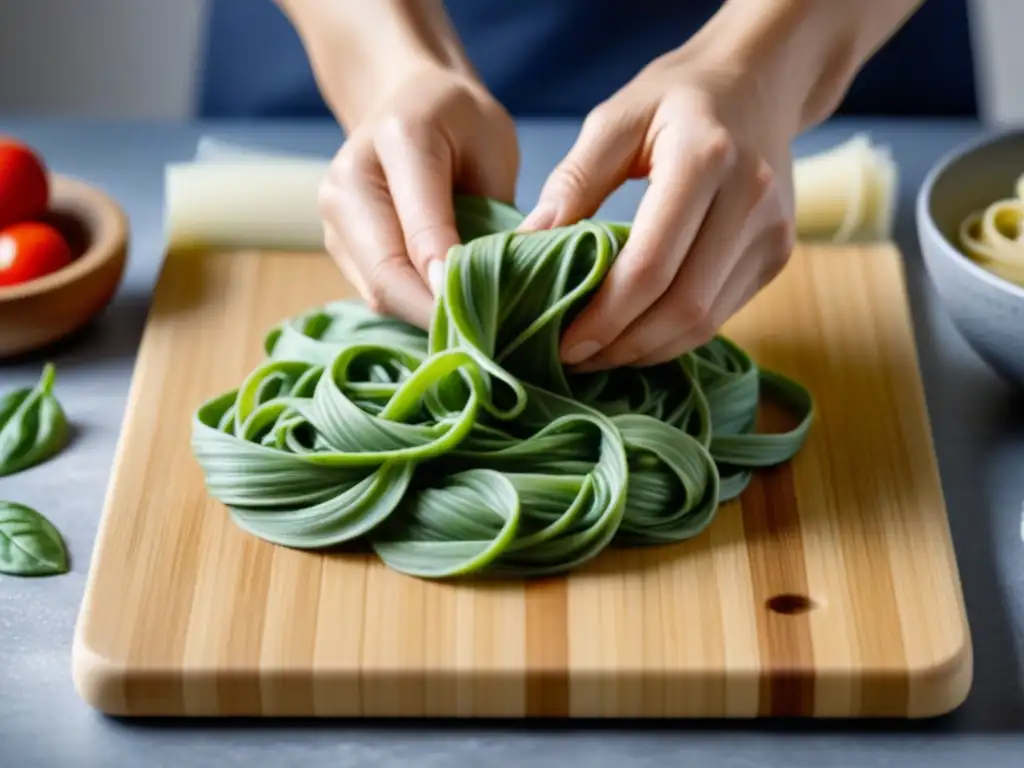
point(470, 450)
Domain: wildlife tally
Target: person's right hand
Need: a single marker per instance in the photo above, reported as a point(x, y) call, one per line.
point(387, 201)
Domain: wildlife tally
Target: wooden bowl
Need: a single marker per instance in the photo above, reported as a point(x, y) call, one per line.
point(43, 311)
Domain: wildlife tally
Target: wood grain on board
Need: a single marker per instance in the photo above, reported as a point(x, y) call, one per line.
point(828, 589)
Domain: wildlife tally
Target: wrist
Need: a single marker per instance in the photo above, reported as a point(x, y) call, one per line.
point(360, 51)
point(797, 58)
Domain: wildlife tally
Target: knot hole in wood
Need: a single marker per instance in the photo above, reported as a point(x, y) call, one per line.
point(789, 604)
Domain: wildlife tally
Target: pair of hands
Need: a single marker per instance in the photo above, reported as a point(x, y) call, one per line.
point(714, 226)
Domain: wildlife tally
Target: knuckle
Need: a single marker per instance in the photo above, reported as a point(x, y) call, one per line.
point(648, 277)
point(762, 181)
point(494, 115)
point(380, 281)
point(684, 99)
point(773, 263)
point(373, 302)
point(779, 240)
point(375, 297)
point(694, 314)
point(325, 198)
point(422, 239)
point(600, 117)
point(347, 164)
point(569, 179)
point(718, 150)
point(394, 126)
point(782, 239)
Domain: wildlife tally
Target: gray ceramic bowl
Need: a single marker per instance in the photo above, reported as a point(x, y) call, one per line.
point(987, 310)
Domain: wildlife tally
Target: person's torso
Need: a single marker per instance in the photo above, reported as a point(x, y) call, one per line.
point(562, 57)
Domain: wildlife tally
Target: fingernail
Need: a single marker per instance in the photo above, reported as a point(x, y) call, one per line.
point(435, 276)
point(541, 217)
point(580, 352)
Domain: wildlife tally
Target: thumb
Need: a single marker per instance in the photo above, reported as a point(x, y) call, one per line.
point(597, 164)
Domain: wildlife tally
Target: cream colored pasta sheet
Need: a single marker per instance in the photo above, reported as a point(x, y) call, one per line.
point(233, 196)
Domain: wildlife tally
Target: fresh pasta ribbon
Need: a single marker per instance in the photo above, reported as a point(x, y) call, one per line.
point(846, 193)
point(470, 449)
point(994, 236)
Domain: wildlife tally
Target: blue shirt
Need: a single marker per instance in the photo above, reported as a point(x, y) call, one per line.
point(562, 57)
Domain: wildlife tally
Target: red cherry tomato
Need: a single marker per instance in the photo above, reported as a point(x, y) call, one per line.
point(30, 250)
point(24, 183)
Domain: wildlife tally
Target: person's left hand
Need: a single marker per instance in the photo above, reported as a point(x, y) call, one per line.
point(715, 224)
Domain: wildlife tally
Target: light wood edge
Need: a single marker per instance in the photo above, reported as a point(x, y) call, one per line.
point(943, 687)
point(102, 683)
point(936, 689)
point(98, 679)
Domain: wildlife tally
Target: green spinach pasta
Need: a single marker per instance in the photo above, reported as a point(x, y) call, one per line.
point(469, 450)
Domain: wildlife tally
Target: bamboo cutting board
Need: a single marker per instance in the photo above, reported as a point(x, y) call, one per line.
point(828, 589)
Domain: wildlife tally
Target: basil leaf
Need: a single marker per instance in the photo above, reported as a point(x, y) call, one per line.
point(30, 545)
point(33, 426)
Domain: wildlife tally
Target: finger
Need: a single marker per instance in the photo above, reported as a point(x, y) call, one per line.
point(598, 162)
point(743, 281)
point(758, 267)
point(338, 253)
point(688, 168)
point(417, 164)
point(355, 203)
point(486, 172)
point(739, 212)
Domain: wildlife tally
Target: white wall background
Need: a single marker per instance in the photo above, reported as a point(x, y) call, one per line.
point(138, 58)
point(99, 58)
point(996, 27)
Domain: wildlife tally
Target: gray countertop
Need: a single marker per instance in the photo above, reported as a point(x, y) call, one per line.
point(978, 425)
